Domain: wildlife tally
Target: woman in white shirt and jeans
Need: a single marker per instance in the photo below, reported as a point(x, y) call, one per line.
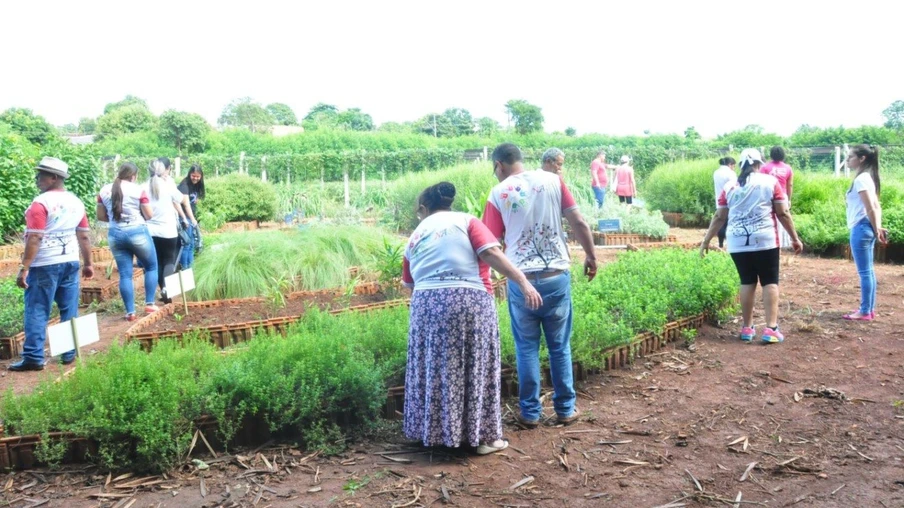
point(166, 204)
point(864, 218)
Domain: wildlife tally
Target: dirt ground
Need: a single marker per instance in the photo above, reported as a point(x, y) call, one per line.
point(815, 421)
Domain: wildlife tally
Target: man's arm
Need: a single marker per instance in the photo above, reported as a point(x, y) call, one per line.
point(585, 238)
point(32, 244)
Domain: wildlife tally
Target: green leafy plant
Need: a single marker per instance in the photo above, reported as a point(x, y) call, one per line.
point(276, 293)
point(13, 308)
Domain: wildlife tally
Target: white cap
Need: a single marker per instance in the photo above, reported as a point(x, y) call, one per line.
point(749, 156)
point(625, 159)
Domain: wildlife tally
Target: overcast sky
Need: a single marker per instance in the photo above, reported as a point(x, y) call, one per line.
point(611, 67)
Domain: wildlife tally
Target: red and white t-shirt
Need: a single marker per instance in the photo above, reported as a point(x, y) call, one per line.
point(598, 170)
point(752, 224)
point(133, 196)
point(781, 171)
point(526, 211)
point(443, 253)
point(57, 215)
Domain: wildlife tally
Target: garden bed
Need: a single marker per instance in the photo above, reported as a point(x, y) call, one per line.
point(236, 320)
point(102, 288)
point(891, 253)
point(11, 347)
point(629, 239)
point(686, 220)
point(663, 245)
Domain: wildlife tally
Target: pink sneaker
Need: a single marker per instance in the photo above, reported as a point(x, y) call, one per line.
point(748, 333)
point(772, 336)
point(150, 309)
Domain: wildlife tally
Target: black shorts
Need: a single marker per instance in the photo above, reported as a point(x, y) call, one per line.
point(761, 264)
point(625, 199)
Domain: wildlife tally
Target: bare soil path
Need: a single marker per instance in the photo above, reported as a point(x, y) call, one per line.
point(815, 421)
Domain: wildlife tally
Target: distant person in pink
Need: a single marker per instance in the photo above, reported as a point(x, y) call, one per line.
point(599, 177)
point(624, 181)
point(782, 172)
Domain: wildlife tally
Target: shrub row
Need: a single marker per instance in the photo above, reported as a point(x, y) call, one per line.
point(328, 374)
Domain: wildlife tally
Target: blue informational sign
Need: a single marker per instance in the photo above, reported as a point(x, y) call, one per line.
point(609, 225)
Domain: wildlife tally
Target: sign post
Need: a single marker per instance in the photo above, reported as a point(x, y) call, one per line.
point(73, 334)
point(180, 283)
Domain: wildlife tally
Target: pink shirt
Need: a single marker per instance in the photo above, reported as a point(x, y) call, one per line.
point(443, 253)
point(624, 181)
point(526, 211)
point(781, 171)
point(598, 170)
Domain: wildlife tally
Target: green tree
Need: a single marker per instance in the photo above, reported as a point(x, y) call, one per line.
point(526, 117)
point(321, 115)
point(282, 113)
point(130, 100)
point(894, 116)
point(691, 133)
point(571, 132)
point(435, 124)
point(124, 120)
point(356, 120)
point(29, 125)
point(399, 127)
point(69, 128)
point(87, 125)
point(460, 120)
point(185, 131)
point(486, 126)
point(245, 113)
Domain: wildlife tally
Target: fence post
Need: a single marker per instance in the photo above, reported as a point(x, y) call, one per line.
point(837, 161)
point(847, 170)
point(486, 156)
point(178, 168)
point(345, 180)
point(241, 161)
point(263, 168)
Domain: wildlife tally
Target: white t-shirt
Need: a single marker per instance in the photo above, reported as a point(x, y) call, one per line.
point(855, 209)
point(526, 211)
point(56, 215)
point(165, 221)
point(721, 177)
point(133, 196)
point(752, 224)
point(443, 253)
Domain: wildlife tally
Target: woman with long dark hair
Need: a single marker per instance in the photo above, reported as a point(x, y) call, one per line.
point(753, 207)
point(192, 186)
point(125, 206)
point(864, 218)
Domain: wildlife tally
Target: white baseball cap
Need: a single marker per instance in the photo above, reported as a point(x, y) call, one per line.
point(749, 156)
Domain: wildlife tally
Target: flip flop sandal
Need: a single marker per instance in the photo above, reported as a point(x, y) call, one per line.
point(486, 449)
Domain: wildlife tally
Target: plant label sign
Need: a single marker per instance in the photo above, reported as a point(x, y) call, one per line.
point(609, 225)
point(179, 282)
point(73, 334)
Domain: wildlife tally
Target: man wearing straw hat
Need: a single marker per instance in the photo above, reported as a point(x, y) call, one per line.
point(56, 230)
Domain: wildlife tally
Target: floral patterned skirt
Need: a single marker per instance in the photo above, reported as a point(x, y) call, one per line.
point(452, 381)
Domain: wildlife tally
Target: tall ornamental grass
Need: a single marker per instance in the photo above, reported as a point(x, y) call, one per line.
point(237, 265)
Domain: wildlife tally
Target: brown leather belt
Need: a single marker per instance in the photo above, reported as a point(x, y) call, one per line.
point(544, 275)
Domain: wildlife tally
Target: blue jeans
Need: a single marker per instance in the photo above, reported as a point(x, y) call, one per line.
point(188, 250)
point(127, 242)
point(863, 241)
point(600, 194)
point(47, 284)
point(554, 316)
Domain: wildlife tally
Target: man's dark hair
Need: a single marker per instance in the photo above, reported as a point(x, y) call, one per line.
point(508, 153)
point(166, 162)
point(777, 154)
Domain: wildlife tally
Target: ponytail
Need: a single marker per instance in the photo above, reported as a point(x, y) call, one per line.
point(870, 154)
point(126, 171)
point(156, 168)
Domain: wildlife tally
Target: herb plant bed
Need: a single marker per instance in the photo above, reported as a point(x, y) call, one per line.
point(891, 253)
point(628, 239)
point(11, 347)
point(236, 320)
point(663, 245)
point(686, 220)
point(104, 287)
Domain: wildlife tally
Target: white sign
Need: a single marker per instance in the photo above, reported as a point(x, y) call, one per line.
point(174, 288)
point(61, 338)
